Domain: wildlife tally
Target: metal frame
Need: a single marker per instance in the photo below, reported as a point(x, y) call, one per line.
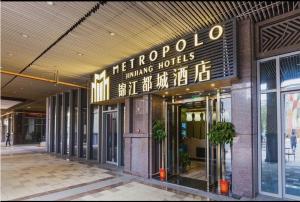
point(289, 196)
point(279, 92)
point(104, 132)
point(208, 99)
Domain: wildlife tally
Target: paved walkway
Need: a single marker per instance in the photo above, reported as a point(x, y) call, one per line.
point(28, 173)
point(39, 176)
point(22, 149)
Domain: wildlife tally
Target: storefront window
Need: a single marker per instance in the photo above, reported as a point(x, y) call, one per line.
point(280, 126)
point(109, 107)
point(269, 145)
point(33, 130)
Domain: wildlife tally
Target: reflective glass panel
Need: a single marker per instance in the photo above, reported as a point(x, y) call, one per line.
point(268, 75)
point(291, 134)
point(290, 71)
point(269, 144)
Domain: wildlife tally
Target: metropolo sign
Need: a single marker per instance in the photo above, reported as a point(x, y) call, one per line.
point(205, 55)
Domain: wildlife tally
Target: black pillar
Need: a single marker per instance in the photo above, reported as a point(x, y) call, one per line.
point(71, 138)
point(88, 125)
point(51, 123)
point(99, 133)
point(57, 120)
point(63, 133)
point(79, 125)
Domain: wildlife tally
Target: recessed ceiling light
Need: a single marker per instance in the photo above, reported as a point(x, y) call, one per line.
point(24, 35)
point(167, 93)
point(187, 89)
point(112, 33)
point(50, 3)
point(212, 85)
point(80, 54)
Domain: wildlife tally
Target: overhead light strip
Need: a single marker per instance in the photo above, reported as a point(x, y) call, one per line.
point(41, 79)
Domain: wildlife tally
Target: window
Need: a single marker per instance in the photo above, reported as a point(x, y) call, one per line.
point(279, 115)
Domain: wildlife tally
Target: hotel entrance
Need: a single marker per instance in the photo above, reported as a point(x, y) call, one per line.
point(191, 160)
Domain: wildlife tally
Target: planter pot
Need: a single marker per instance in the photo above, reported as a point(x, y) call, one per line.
point(162, 174)
point(224, 186)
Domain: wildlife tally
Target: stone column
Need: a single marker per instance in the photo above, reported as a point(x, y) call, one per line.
point(137, 136)
point(243, 99)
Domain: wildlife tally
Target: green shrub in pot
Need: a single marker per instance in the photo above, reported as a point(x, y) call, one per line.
point(221, 133)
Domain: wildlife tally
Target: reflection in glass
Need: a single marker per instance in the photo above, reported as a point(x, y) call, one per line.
point(84, 132)
point(268, 75)
point(111, 137)
point(33, 129)
point(75, 131)
point(269, 155)
point(95, 135)
point(225, 113)
point(75, 123)
point(290, 71)
point(291, 145)
point(68, 129)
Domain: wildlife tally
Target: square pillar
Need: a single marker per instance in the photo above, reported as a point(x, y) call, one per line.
point(243, 152)
point(137, 136)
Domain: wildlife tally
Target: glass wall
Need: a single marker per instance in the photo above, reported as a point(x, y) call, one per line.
point(279, 121)
point(33, 129)
point(268, 127)
point(225, 115)
point(290, 82)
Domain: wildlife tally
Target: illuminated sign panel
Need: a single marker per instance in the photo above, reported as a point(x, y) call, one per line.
point(100, 88)
point(205, 55)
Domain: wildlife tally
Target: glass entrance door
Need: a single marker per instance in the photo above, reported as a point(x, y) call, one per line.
point(291, 150)
point(192, 160)
point(111, 136)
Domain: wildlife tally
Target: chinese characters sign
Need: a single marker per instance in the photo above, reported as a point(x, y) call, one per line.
point(202, 56)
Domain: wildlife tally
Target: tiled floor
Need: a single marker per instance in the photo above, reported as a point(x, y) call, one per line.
point(40, 176)
point(136, 191)
point(28, 174)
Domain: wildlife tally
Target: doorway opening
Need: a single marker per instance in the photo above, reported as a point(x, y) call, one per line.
point(191, 160)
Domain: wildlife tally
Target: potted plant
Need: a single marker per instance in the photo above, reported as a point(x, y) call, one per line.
point(222, 133)
point(184, 160)
point(159, 134)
